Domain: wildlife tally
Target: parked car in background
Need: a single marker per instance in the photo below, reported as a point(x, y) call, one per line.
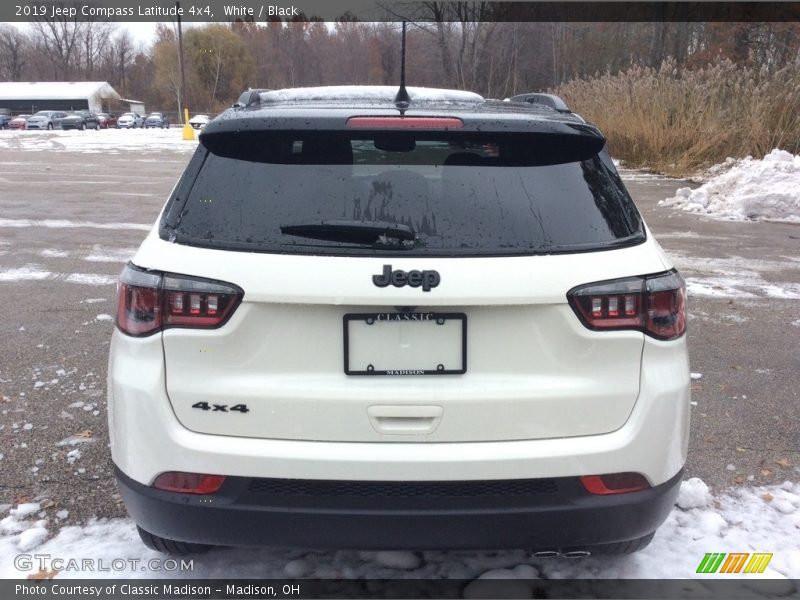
point(156, 119)
point(46, 119)
point(130, 120)
point(4, 121)
point(81, 119)
point(199, 121)
point(106, 120)
point(19, 122)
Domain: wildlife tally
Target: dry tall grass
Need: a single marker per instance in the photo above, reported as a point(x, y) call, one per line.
point(677, 120)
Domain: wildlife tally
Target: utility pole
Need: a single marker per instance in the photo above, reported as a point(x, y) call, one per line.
point(188, 132)
point(182, 91)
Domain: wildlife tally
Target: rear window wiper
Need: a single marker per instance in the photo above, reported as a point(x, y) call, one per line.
point(372, 233)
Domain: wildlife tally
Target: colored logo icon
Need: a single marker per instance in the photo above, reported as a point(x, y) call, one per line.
point(734, 562)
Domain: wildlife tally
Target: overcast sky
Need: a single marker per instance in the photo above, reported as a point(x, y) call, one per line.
point(141, 32)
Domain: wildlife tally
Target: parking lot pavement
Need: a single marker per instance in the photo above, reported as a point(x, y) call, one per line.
point(743, 280)
point(69, 220)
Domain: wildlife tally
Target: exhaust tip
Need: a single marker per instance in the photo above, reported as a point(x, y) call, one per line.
point(576, 554)
point(546, 554)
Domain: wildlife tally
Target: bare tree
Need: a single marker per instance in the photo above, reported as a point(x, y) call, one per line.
point(59, 39)
point(14, 47)
point(123, 54)
point(95, 39)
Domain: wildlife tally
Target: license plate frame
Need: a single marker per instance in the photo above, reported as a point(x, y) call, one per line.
point(379, 318)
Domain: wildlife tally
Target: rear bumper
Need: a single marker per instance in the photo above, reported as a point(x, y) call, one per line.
point(540, 514)
point(147, 438)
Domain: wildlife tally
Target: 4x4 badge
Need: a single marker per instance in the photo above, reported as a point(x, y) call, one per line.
point(426, 279)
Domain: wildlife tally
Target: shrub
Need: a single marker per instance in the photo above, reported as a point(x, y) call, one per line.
point(677, 120)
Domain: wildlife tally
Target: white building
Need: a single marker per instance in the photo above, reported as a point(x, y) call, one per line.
point(31, 96)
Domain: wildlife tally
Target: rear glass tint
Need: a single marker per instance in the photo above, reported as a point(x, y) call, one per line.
point(461, 195)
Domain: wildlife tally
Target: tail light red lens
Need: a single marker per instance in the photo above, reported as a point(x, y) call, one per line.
point(655, 305)
point(149, 301)
point(188, 483)
point(614, 483)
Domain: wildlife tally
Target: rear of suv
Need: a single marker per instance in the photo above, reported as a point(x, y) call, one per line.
point(367, 324)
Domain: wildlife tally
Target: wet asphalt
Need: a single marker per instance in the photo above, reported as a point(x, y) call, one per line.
point(65, 233)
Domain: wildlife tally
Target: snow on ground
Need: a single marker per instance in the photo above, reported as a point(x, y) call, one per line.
point(747, 189)
point(106, 141)
point(34, 272)
point(98, 254)
point(760, 519)
point(66, 224)
point(735, 277)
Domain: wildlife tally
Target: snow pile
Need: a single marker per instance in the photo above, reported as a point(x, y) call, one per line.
point(694, 494)
point(27, 534)
point(747, 189)
point(760, 519)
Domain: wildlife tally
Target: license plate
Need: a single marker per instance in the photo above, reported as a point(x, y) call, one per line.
point(415, 343)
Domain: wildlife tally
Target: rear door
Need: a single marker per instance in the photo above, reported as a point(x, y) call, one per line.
point(462, 334)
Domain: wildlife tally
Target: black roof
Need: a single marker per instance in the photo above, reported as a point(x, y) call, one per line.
point(330, 108)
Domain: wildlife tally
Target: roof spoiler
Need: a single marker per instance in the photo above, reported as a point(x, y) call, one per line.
point(549, 100)
point(250, 97)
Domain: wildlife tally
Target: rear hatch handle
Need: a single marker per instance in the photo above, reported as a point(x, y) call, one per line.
point(405, 419)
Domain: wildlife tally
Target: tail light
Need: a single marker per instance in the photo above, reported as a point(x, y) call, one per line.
point(149, 301)
point(188, 483)
point(654, 304)
point(614, 483)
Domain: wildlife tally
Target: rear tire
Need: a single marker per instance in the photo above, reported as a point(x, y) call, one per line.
point(168, 546)
point(49, 126)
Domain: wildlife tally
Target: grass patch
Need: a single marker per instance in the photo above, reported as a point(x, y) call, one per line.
point(676, 120)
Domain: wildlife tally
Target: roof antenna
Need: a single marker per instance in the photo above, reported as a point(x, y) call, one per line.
point(402, 99)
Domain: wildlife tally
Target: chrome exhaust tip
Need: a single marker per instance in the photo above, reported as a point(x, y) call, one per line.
point(576, 554)
point(547, 554)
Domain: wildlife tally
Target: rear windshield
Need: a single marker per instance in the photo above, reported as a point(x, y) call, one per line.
point(475, 194)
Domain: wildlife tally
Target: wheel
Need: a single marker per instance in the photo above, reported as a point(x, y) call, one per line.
point(83, 126)
point(166, 546)
point(50, 126)
point(97, 126)
point(620, 548)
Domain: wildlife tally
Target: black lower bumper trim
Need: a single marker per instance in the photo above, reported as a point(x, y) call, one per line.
point(534, 514)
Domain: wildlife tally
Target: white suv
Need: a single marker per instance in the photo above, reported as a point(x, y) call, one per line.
point(440, 324)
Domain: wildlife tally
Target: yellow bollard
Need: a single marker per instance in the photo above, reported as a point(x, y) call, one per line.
point(188, 132)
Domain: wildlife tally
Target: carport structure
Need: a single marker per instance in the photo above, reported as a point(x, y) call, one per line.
point(32, 96)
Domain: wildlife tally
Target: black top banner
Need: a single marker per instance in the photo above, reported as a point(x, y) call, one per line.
point(222, 11)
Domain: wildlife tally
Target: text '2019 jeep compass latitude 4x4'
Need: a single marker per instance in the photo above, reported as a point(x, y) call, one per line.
point(435, 324)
